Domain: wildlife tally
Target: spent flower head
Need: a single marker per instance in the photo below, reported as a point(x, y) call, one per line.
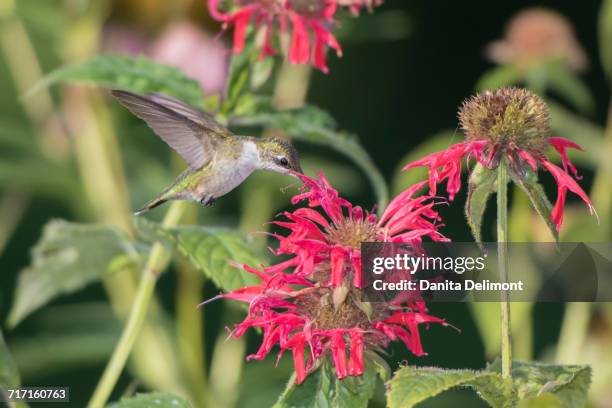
point(538, 34)
point(309, 22)
point(311, 303)
point(509, 126)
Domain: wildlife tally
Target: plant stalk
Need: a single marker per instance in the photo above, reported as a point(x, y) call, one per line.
point(157, 261)
point(502, 265)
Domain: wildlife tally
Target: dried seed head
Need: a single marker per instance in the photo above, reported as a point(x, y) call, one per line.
point(508, 117)
point(535, 35)
point(319, 305)
point(352, 232)
point(310, 8)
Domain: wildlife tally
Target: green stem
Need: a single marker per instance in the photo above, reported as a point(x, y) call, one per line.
point(502, 259)
point(574, 330)
point(600, 192)
point(158, 259)
point(190, 328)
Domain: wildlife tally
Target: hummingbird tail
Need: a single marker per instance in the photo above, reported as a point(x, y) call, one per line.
point(150, 205)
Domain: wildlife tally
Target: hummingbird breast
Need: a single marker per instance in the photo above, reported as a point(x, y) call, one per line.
point(228, 171)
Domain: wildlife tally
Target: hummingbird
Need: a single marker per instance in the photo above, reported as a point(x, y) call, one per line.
point(219, 161)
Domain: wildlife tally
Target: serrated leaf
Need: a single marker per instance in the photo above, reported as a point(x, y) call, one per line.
point(498, 77)
point(154, 399)
point(605, 36)
point(569, 383)
point(211, 250)
point(546, 400)
point(136, 74)
point(67, 257)
point(323, 389)
point(480, 186)
point(313, 125)
point(411, 385)
point(529, 184)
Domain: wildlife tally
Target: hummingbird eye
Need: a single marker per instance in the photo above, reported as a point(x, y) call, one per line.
point(284, 162)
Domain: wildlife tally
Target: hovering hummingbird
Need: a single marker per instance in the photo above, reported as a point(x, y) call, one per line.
point(219, 161)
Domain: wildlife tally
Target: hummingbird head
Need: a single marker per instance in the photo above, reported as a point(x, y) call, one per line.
point(279, 155)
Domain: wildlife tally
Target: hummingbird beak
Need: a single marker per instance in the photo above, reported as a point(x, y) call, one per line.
point(297, 169)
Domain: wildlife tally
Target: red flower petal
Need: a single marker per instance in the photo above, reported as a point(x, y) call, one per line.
point(338, 348)
point(337, 266)
point(355, 365)
point(564, 182)
point(299, 49)
point(561, 145)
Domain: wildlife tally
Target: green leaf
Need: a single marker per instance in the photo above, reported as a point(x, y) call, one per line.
point(261, 72)
point(563, 81)
point(80, 334)
point(545, 400)
point(40, 176)
point(568, 383)
point(17, 136)
point(9, 376)
point(136, 74)
point(481, 185)
point(239, 73)
point(554, 75)
point(411, 385)
point(605, 36)
point(262, 383)
point(529, 184)
point(498, 77)
point(323, 389)
point(154, 399)
point(67, 257)
point(313, 125)
point(211, 250)
point(586, 133)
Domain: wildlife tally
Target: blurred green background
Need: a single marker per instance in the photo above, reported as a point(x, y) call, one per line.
point(406, 68)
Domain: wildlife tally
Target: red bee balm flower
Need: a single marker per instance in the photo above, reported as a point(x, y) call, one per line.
point(303, 17)
point(311, 302)
point(333, 243)
point(512, 125)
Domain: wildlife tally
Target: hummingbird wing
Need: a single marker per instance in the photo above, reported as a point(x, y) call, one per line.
point(206, 120)
point(193, 134)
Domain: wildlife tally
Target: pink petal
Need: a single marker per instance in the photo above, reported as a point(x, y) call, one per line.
point(561, 145)
point(357, 274)
point(241, 21)
point(564, 182)
point(213, 10)
point(355, 365)
point(338, 348)
point(300, 44)
point(337, 266)
point(297, 345)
